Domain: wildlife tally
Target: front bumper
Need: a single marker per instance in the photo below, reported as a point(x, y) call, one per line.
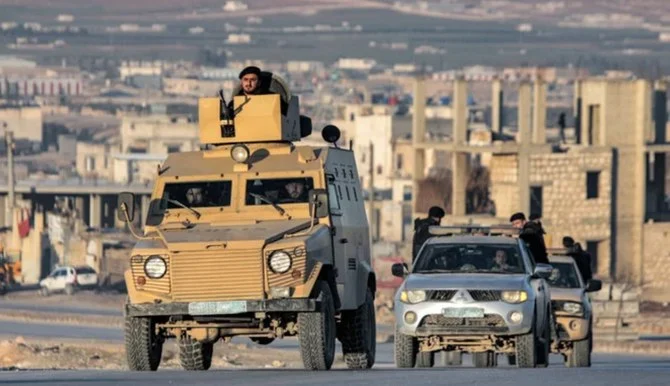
point(496, 310)
point(572, 328)
point(214, 308)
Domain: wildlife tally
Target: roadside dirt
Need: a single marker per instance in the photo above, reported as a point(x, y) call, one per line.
point(24, 353)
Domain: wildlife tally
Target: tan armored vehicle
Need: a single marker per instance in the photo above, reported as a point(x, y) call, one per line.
point(253, 236)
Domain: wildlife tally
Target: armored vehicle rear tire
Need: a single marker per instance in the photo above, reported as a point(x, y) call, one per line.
point(143, 347)
point(358, 334)
point(451, 358)
point(484, 359)
point(405, 349)
point(580, 355)
point(317, 330)
point(425, 359)
point(195, 355)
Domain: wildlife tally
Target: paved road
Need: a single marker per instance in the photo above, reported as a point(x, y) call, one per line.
point(58, 308)
point(609, 370)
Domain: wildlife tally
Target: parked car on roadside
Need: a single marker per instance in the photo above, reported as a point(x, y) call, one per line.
point(68, 279)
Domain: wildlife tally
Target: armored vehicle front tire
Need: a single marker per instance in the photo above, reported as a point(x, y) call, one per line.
point(405, 349)
point(580, 355)
point(143, 347)
point(484, 359)
point(195, 355)
point(317, 330)
point(358, 334)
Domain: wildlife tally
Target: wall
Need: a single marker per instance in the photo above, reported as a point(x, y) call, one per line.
point(100, 155)
point(155, 133)
point(566, 210)
point(656, 268)
point(24, 121)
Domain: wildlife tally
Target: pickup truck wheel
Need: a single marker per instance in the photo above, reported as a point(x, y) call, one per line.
point(526, 350)
point(44, 291)
point(580, 355)
point(358, 334)
point(484, 359)
point(69, 289)
point(195, 355)
point(316, 332)
point(543, 346)
point(143, 347)
point(425, 359)
point(405, 348)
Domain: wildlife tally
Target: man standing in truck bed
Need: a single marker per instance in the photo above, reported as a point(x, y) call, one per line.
point(421, 226)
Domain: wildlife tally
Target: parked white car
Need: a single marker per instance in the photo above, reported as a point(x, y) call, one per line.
point(68, 279)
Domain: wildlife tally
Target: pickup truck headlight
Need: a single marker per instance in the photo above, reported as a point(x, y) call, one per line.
point(412, 297)
point(573, 308)
point(514, 297)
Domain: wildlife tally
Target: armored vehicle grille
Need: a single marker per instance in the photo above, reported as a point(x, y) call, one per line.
point(161, 285)
point(220, 275)
point(489, 320)
point(441, 295)
point(485, 295)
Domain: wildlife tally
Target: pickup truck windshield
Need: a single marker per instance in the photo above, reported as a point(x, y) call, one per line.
point(469, 258)
point(200, 194)
point(292, 190)
point(564, 275)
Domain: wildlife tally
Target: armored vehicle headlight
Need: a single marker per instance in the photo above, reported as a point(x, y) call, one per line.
point(514, 296)
point(155, 267)
point(239, 153)
point(280, 262)
point(572, 308)
point(412, 297)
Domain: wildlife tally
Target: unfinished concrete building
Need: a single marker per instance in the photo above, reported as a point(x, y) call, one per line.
point(607, 189)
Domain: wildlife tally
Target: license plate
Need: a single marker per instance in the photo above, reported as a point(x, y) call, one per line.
point(217, 308)
point(463, 312)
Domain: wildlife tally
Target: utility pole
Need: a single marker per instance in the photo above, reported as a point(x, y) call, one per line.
point(373, 212)
point(9, 141)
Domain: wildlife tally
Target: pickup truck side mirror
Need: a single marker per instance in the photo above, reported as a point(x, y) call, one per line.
point(594, 285)
point(542, 271)
point(399, 269)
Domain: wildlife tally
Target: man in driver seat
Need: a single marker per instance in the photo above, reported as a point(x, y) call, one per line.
point(295, 192)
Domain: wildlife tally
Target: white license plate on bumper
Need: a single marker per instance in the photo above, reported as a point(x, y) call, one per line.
point(217, 308)
point(463, 312)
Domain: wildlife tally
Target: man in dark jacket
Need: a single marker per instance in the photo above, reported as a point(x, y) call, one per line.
point(582, 258)
point(532, 234)
point(421, 233)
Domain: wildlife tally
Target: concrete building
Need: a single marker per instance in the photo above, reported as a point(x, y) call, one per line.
point(158, 134)
point(608, 189)
point(24, 120)
point(40, 82)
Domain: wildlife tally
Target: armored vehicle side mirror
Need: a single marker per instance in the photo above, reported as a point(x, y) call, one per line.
point(594, 285)
point(305, 126)
point(318, 201)
point(543, 271)
point(399, 269)
point(125, 207)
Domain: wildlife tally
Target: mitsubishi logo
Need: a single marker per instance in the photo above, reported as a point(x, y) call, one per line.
point(462, 296)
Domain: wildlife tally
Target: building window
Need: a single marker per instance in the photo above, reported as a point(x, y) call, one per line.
point(398, 162)
point(592, 183)
point(379, 169)
point(536, 200)
point(592, 249)
point(407, 193)
point(90, 163)
point(173, 148)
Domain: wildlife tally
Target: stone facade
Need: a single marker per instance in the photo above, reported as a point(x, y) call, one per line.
point(656, 258)
point(566, 210)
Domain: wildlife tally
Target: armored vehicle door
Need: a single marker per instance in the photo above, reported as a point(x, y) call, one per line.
point(337, 230)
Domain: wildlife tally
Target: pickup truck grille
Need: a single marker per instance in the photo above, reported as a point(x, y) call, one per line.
point(489, 320)
point(477, 295)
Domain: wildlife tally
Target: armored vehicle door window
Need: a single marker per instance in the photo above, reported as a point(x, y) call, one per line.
point(200, 194)
point(564, 275)
point(293, 190)
point(470, 258)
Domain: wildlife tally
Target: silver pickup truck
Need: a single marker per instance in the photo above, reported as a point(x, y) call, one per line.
point(473, 290)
